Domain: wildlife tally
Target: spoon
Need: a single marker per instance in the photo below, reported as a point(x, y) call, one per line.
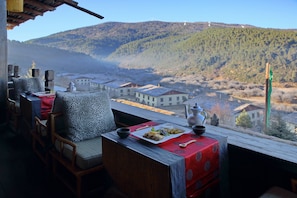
point(184, 145)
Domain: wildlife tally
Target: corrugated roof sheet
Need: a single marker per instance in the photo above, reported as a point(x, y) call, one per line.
point(119, 84)
point(246, 107)
point(153, 90)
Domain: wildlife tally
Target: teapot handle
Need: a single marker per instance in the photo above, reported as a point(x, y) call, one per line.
point(205, 116)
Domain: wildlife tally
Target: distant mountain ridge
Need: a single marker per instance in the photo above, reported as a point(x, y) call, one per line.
point(103, 39)
point(215, 50)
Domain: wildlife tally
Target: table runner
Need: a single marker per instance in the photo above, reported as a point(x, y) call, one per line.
point(173, 161)
point(201, 158)
point(46, 105)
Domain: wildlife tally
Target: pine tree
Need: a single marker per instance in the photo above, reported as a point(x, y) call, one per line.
point(244, 120)
point(278, 128)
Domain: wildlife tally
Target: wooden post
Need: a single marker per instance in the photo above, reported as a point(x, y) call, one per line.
point(10, 72)
point(16, 71)
point(49, 80)
point(266, 96)
point(35, 72)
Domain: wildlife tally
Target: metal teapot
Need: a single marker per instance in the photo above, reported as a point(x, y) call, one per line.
point(198, 116)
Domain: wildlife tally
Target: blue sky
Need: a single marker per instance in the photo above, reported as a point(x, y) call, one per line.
point(261, 13)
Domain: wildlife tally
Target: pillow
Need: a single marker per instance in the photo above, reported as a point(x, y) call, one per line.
point(18, 87)
point(26, 84)
point(87, 115)
point(33, 84)
point(57, 107)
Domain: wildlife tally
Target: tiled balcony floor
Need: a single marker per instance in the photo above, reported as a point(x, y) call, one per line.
point(23, 175)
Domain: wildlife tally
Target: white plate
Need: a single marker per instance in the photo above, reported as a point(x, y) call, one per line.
point(140, 133)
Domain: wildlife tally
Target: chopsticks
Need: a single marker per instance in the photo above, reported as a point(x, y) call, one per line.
point(143, 127)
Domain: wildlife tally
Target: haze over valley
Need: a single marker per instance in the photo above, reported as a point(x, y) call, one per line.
point(194, 57)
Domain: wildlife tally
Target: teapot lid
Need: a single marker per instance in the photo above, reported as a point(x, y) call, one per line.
point(196, 107)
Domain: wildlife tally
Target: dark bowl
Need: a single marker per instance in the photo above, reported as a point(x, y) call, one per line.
point(198, 129)
point(123, 132)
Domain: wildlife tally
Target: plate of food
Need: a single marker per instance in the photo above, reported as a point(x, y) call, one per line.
point(161, 133)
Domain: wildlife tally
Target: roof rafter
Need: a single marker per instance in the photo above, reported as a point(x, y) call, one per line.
point(39, 5)
point(33, 8)
point(75, 5)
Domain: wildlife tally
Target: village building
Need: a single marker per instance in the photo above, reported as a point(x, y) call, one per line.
point(256, 114)
point(119, 88)
point(158, 96)
point(98, 84)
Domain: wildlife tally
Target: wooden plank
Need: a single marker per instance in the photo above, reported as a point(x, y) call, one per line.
point(138, 176)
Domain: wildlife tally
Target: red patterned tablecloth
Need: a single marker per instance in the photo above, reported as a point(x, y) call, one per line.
point(201, 158)
point(46, 105)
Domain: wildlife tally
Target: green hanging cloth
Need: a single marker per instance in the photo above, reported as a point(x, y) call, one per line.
point(269, 97)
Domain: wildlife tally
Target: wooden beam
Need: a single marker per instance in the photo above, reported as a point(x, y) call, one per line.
point(38, 4)
point(35, 12)
point(21, 15)
point(70, 2)
point(75, 5)
point(14, 20)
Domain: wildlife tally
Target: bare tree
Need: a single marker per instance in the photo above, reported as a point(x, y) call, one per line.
point(223, 112)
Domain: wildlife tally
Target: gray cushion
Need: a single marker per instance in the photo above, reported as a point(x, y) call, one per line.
point(26, 84)
point(18, 88)
point(58, 108)
point(34, 85)
point(87, 115)
point(89, 152)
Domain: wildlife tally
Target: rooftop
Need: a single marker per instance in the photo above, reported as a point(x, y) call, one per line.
point(153, 90)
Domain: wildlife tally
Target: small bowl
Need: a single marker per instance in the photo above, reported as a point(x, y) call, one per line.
point(123, 132)
point(198, 129)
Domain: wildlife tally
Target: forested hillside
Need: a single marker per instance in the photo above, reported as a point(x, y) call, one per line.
point(214, 50)
point(103, 39)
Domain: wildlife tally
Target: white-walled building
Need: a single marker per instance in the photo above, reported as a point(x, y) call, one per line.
point(256, 114)
point(119, 88)
point(98, 83)
point(82, 83)
point(157, 96)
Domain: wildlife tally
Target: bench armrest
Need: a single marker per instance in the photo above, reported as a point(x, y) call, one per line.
point(61, 140)
point(12, 107)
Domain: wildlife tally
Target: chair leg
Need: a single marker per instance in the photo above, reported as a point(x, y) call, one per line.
point(54, 164)
point(33, 144)
point(78, 186)
point(16, 123)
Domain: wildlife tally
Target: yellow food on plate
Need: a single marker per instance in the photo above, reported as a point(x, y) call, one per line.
point(153, 135)
point(173, 130)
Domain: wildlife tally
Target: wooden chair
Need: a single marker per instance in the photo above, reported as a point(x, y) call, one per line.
point(20, 85)
point(76, 135)
point(41, 137)
point(41, 140)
